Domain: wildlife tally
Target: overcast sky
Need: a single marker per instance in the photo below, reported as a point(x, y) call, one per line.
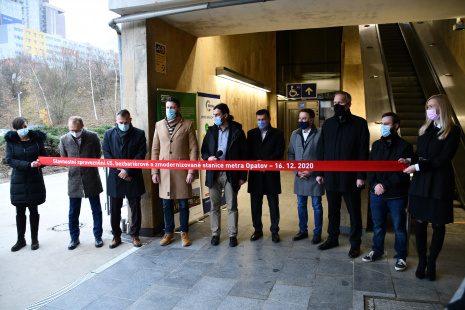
point(87, 22)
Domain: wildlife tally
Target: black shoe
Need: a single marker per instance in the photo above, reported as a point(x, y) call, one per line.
point(300, 235)
point(328, 244)
point(215, 240)
point(232, 241)
point(275, 238)
point(98, 242)
point(73, 244)
point(354, 251)
point(316, 239)
point(21, 243)
point(256, 235)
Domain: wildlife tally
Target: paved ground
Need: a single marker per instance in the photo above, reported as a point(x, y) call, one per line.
point(254, 275)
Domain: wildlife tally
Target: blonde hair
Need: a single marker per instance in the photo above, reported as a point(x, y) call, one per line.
point(76, 119)
point(445, 119)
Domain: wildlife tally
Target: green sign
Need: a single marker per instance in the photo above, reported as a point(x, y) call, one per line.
point(188, 104)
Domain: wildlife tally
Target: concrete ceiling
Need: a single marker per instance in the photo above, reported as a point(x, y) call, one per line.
point(292, 14)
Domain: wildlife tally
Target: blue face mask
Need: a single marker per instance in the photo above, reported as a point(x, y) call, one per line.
point(170, 113)
point(23, 132)
point(123, 127)
point(262, 125)
point(304, 125)
point(385, 131)
point(218, 121)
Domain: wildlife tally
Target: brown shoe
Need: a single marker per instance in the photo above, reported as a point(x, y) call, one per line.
point(136, 242)
point(115, 242)
point(185, 239)
point(167, 239)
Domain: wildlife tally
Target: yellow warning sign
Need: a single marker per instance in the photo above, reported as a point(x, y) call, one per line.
point(160, 57)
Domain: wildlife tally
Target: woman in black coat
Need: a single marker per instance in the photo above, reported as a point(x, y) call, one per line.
point(432, 188)
point(27, 188)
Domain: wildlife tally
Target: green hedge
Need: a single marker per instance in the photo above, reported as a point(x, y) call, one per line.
point(2, 140)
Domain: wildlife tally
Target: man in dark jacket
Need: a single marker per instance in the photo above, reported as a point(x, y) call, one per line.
point(265, 143)
point(82, 181)
point(343, 137)
point(224, 141)
point(389, 190)
point(125, 142)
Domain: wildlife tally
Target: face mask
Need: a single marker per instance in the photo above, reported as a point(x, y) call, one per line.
point(385, 131)
point(339, 110)
point(76, 134)
point(123, 127)
point(170, 113)
point(23, 132)
point(262, 125)
point(217, 121)
point(304, 125)
point(432, 115)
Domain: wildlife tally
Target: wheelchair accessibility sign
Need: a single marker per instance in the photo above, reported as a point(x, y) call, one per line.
point(294, 91)
point(301, 91)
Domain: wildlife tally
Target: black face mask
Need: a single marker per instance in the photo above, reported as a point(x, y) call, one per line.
point(339, 110)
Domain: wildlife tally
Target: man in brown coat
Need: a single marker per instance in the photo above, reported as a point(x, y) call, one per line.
point(174, 139)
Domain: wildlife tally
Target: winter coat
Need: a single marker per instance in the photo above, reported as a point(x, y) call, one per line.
point(27, 184)
point(136, 148)
point(182, 145)
point(346, 139)
point(396, 183)
point(271, 148)
point(305, 150)
point(236, 150)
point(82, 181)
point(434, 157)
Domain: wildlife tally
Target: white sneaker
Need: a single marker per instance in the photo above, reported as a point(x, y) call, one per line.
point(401, 265)
point(370, 257)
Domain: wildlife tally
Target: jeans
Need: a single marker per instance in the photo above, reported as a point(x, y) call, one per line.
point(168, 212)
point(75, 210)
point(379, 206)
point(303, 215)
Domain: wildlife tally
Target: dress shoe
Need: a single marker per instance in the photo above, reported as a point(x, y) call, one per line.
point(21, 243)
point(328, 244)
point(136, 242)
point(316, 239)
point(115, 242)
point(185, 239)
point(354, 251)
point(275, 238)
point(215, 240)
point(256, 235)
point(73, 244)
point(232, 241)
point(300, 235)
point(167, 239)
point(98, 242)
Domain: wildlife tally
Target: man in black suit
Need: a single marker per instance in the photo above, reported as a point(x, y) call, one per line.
point(265, 143)
point(125, 142)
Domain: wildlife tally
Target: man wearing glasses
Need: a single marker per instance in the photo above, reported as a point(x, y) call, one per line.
point(344, 137)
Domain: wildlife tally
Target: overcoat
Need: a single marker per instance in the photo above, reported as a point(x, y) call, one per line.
point(270, 148)
point(343, 139)
point(182, 145)
point(236, 150)
point(305, 150)
point(434, 157)
point(82, 181)
point(135, 148)
point(27, 184)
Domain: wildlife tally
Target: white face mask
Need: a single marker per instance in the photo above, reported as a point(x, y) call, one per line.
point(76, 134)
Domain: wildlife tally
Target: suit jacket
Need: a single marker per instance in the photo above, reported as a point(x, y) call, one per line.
point(182, 145)
point(305, 150)
point(82, 181)
point(270, 148)
point(136, 148)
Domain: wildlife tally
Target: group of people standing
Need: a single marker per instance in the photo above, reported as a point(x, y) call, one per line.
point(344, 137)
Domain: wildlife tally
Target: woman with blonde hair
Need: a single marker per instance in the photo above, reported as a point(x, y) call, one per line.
point(432, 188)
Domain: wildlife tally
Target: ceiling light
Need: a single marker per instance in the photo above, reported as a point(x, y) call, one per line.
point(282, 97)
point(242, 79)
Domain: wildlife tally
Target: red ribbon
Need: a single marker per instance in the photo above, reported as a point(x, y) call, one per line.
point(278, 165)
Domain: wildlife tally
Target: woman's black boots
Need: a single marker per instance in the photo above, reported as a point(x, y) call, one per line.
point(21, 229)
point(421, 236)
point(439, 232)
point(34, 221)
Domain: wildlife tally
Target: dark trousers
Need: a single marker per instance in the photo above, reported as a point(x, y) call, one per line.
point(75, 211)
point(354, 207)
point(21, 209)
point(115, 206)
point(256, 202)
